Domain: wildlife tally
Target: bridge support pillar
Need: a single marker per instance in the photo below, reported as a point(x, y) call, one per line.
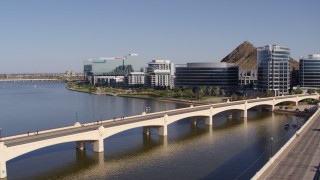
point(193, 120)
point(146, 130)
point(208, 120)
point(163, 131)
point(98, 146)
point(3, 167)
point(245, 113)
point(80, 145)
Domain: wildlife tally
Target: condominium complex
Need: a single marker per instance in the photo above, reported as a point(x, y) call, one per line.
point(135, 79)
point(273, 69)
point(309, 70)
point(160, 74)
point(223, 75)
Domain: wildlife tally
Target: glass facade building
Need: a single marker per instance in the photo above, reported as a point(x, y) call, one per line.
point(223, 75)
point(309, 71)
point(112, 67)
point(273, 69)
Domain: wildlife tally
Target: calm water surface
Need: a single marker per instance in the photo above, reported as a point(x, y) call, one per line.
point(230, 149)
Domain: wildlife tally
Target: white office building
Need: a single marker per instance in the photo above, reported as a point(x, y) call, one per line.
point(135, 79)
point(160, 74)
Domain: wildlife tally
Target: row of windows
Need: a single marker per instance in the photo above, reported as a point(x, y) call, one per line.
point(309, 81)
point(310, 74)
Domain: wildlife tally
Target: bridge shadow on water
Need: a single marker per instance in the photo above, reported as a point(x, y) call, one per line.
point(237, 167)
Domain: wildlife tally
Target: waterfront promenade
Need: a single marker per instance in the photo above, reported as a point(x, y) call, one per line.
point(299, 158)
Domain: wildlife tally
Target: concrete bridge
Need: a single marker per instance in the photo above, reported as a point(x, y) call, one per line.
point(14, 146)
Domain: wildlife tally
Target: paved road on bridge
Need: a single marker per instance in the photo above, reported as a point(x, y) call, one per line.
point(301, 161)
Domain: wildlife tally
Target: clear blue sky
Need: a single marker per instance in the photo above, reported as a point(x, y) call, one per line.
point(58, 35)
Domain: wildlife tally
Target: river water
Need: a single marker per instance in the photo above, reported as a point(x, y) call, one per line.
point(233, 148)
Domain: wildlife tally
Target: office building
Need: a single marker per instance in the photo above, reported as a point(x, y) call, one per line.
point(135, 79)
point(111, 69)
point(160, 74)
point(248, 78)
point(309, 70)
point(223, 75)
point(273, 69)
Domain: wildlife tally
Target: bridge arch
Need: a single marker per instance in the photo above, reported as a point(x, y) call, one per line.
point(215, 112)
point(17, 151)
point(159, 122)
point(175, 118)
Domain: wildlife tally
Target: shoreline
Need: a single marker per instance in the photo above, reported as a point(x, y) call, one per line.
point(188, 102)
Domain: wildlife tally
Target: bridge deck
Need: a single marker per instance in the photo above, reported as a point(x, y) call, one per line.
point(302, 159)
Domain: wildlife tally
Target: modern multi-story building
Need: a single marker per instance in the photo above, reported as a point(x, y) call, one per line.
point(111, 69)
point(248, 78)
point(309, 70)
point(273, 69)
point(135, 79)
point(160, 74)
point(223, 75)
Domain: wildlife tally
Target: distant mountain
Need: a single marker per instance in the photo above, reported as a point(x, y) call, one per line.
point(245, 55)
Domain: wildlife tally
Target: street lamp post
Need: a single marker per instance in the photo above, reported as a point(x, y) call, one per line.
point(143, 107)
point(101, 118)
point(271, 144)
point(77, 120)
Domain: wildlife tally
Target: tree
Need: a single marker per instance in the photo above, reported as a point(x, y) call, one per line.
point(311, 91)
point(202, 91)
point(269, 93)
point(92, 89)
point(297, 91)
point(216, 90)
point(234, 96)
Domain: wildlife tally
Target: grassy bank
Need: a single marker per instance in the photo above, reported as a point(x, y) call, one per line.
point(177, 95)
